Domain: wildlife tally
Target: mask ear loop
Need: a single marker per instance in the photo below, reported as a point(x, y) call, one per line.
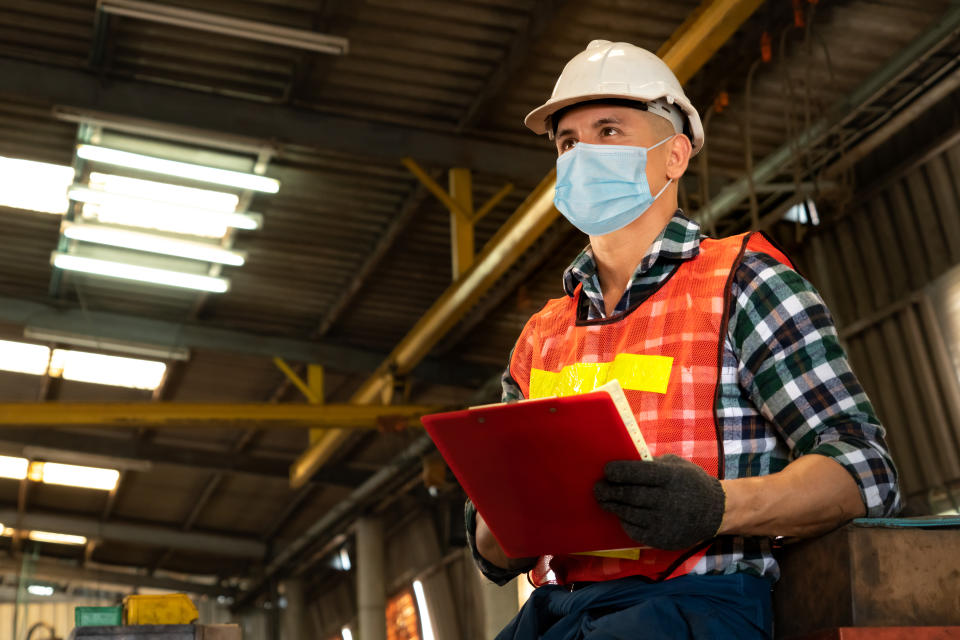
point(669, 180)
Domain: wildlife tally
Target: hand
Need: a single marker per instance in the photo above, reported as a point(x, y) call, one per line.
point(666, 503)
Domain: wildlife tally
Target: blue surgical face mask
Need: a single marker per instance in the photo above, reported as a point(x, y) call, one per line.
point(603, 187)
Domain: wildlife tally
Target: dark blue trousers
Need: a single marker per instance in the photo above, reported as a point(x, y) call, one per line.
point(734, 607)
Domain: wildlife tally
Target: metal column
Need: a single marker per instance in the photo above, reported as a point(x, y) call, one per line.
point(294, 617)
point(371, 585)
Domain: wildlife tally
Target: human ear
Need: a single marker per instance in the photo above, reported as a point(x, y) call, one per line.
point(679, 151)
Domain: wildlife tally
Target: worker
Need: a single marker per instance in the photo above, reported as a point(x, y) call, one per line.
point(762, 430)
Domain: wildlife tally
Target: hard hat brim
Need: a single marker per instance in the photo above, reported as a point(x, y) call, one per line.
point(538, 120)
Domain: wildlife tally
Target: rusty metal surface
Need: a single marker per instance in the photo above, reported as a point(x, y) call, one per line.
point(858, 576)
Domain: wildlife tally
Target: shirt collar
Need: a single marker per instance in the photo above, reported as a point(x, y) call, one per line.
point(679, 240)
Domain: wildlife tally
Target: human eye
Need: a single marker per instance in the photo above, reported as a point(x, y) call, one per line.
point(606, 132)
point(566, 144)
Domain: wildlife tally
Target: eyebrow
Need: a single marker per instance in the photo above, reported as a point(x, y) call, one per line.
point(598, 123)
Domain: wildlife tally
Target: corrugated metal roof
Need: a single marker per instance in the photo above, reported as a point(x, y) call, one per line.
point(474, 67)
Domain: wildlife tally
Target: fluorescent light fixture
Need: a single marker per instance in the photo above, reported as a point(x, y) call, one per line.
point(131, 211)
point(116, 371)
point(225, 25)
point(166, 131)
point(36, 186)
point(168, 194)
point(237, 179)
point(21, 357)
point(344, 560)
point(40, 590)
point(346, 634)
point(425, 623)
point(56, 538)
point(106, 344)
point(13, 468)
point(71, 475)
point(124, 271)
point(150, 243)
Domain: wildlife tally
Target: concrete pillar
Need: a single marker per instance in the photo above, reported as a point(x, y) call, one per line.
point(293, 619)
point(371, 584)
point(500, 605)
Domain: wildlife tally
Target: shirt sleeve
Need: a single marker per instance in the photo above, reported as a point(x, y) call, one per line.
point(489, 570)
point(511, 393)
point(795, 371)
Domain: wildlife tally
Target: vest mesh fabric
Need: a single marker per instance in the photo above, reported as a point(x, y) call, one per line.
point(685, 319)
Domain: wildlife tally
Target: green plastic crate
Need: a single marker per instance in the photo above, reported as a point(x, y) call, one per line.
point(98, 616)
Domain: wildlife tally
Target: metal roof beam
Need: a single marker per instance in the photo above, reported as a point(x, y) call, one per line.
point(134, 415)
point(127, 328)
point(52, 570)
point(234, 117)
point(140, 534)
point(842, 112)
point(16, 442)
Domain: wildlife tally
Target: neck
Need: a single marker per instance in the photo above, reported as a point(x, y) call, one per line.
point(618, 254)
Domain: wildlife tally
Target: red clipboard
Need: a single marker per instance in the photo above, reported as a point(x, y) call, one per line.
point(530, 467)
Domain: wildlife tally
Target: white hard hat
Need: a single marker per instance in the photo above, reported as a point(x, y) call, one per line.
point(620, 70)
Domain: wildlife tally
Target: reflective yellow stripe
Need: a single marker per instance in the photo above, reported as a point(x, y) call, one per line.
point(624, 554)
point(636, 372)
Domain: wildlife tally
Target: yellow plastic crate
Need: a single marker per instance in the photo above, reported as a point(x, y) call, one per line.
point(175, 608)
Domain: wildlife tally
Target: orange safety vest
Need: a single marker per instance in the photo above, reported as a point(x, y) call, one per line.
point(667, 352)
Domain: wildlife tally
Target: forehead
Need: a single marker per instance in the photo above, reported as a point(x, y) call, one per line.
point(590, 114)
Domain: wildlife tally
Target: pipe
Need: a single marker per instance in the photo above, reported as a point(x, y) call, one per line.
point(730, 197)
point(137, 534)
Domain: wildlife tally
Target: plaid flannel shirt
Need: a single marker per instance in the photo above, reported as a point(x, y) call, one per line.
point(786, 388)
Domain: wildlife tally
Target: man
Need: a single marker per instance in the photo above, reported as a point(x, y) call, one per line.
point(763, 431)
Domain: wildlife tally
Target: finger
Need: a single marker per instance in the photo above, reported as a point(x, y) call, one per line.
point(636, 516)
point(637, 534)
point(641, 472)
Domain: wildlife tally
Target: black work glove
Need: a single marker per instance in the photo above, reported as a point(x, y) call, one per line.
point(666, 503)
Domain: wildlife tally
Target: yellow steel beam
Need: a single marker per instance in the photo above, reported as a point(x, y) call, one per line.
point(292, 376)
point(432, 186)
point(492, 202)
point(695, 41)
point(461, 221)
point(702, 33)
point(167, 414)
point(315, 382)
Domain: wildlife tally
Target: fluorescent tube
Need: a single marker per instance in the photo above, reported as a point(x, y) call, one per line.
point(35, 186)
point(137, 273)
point(40, 590)
point(21, 357)
point(226, 25)
point(131, 211)
point(13, 468)
point(425, 622)
point(56, 538)
point(71, 475)
point(97, 368)
point(186, 170)
point(151, 243)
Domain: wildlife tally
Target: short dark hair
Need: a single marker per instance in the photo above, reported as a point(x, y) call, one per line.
point(616, 102)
